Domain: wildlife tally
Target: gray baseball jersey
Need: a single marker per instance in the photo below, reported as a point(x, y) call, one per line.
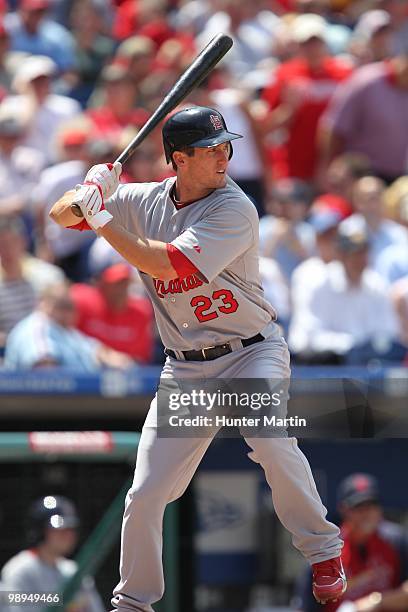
point(219, 235)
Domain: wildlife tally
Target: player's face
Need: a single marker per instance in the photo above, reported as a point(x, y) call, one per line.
point(61, 542)
point(61, 309)
point(207, 167)
point(355, 264)
point(363, 519)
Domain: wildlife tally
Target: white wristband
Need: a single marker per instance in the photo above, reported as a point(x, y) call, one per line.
point(100, 219)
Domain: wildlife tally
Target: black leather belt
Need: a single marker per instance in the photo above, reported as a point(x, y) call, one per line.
point(213, 352)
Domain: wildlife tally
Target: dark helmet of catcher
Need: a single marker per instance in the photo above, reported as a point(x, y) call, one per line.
point(52, 511)
point(198, 126)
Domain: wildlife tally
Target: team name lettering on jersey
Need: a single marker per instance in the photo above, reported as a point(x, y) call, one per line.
point(177, 285)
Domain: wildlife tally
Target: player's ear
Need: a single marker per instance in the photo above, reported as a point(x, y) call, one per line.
point(179, 158)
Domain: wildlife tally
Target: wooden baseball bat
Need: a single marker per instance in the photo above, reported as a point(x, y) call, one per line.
point(195, 73)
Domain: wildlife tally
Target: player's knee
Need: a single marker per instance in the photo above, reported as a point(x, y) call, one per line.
point(267, 450)
point(145, 495)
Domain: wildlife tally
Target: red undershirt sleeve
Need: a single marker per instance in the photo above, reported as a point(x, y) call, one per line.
point(182, 265)
point(81, 226)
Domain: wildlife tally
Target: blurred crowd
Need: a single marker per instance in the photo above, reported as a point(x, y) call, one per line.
point(318, 89)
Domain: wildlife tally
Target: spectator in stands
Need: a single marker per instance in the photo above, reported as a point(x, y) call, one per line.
point(251, 28)
point(78, 150)
point(392, 262)
point(145, 18)
point(20, 166)
point(193, 16)
point(39, 273)
point(5, 76)
point(102, 255)
point(246, 166)
point(48, 338)
point(338, 183)
point(341, 323)
point(284, 235)
point(117, 111)
point(366, 114)
point(375, 552)
point(398, 10)
point(137, 52)
point(276, 290)
point(93, 48)
point(368, 201)
point(399, 296)
point(22, 276)
point(299, 92)
point(396, 201)
point(144, 165)
point(32, 32)
point(43, 111)
point(108, 312)
point(17, 295)
point(373, 37)
point(311, 273)
point(51, 534)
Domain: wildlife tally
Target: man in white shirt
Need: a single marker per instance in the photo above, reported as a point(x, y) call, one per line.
point(313, 271)
point(69, 250)
point(43, 111)
point(368, 201)
point(20, 166)
point(349, 310)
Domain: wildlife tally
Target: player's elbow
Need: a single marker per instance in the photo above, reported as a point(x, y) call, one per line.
point(163, 267)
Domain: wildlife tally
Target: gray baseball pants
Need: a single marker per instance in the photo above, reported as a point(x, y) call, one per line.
point(165, 467)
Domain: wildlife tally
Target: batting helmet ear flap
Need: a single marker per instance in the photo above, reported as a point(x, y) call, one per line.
point(199, 126)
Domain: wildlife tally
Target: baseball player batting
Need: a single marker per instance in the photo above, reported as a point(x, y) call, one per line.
point(194, 238)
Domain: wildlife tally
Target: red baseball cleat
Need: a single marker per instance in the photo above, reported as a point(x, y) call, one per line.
point(329, 580)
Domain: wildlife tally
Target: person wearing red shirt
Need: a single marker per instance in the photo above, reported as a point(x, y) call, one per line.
point(119, 109)
point(107, 312)
point(375, 551)
point(144, 17)
point(300, 91)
